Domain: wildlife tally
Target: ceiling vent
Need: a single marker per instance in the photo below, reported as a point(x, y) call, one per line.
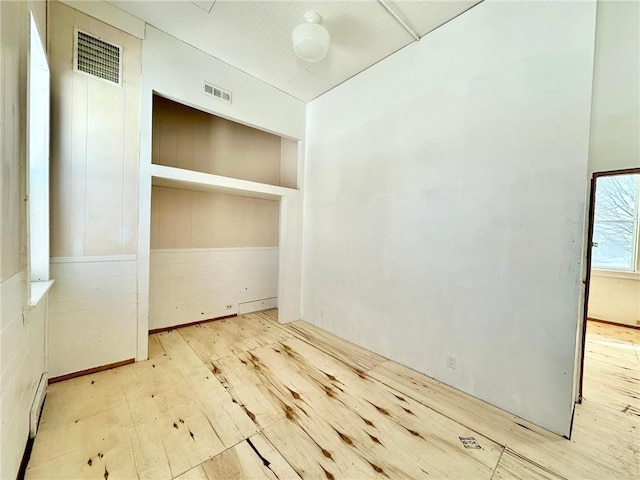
point(97, 58)
point(216, 92)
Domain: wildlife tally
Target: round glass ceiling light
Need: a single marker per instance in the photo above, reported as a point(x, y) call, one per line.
point(310, 39)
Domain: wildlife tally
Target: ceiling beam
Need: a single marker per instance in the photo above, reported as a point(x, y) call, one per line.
point(399, 20)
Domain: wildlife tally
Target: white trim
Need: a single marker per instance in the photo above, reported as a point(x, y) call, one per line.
point(38, 291)
point(597, 272)
point(97, 258)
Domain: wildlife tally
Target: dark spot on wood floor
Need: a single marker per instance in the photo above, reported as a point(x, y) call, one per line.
point(328, 390)
point(174, 425)
point(90, 462)
point(377, 468)
point(153, 365)
point(345, 438)
point(399, 398)
point(289, 412)
point(215, 369)
point(243, 362)
point(106, 473)
point(326, 453)
point(181, 420)
point(100, 455)
point(368, 422)
point(248, 412)
point(192, 435)
point(330, 377)
point(408, 411)
point(374, 439)
point(294, 394)
point(329, 475)
point(413, 432)
point(92, 382)
point(381, 410)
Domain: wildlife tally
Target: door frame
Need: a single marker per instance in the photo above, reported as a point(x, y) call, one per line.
point(587, 281)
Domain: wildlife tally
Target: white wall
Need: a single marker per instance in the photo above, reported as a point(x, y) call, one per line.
point(614, 298)
point(176, 70)
point(615, 137)
point(92, 312)
point(615, 121)
point(189, 285)
point(22, 328)
point(94, 200)
point(444, 204)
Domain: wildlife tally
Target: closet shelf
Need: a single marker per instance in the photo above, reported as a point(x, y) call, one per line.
point(164, 176)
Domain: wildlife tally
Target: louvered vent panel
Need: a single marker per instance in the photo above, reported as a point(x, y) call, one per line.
point(98, 58)
point(216, 92)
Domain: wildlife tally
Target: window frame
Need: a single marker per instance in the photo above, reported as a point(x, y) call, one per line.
point(37, 166)
point(634, 271)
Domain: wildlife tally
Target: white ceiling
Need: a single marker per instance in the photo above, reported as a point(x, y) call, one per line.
point(255, 36)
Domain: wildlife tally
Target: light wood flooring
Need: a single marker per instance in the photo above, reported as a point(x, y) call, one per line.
point(248, 398)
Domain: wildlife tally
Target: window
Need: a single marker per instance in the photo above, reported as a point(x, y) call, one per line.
point(615, 228)
point(38, 166)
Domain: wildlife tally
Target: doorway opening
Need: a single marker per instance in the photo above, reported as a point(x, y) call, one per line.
point(610, 367)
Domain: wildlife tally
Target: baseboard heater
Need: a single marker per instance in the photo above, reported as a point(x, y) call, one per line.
point(257, 305)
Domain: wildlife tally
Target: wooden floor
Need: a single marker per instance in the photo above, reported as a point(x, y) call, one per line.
point(249, 398)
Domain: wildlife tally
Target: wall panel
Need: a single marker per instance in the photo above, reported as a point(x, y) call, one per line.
point(92, 313)
point(95, 147)
point(187, 138)
point(197, 284)
point(191, 219)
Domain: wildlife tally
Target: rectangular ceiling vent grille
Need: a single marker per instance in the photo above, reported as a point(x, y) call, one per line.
point(97, 57)
point(216, 92)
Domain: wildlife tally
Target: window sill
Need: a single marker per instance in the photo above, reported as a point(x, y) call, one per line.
point(596, 272)
point(38, 291)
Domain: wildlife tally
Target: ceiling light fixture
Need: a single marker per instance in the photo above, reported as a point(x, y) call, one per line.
point(310, 39)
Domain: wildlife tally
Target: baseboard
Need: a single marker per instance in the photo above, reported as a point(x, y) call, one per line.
point(190, 324)
point(617, 324)
point(89, 371)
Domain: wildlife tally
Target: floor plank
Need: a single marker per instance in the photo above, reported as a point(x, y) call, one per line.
point(513, 466)
point(254, 458)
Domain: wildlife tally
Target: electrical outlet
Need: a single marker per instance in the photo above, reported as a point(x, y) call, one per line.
point(451, 362)
point(229, 307)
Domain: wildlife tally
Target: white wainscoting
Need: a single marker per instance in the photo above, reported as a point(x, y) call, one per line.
point(188, 285)
point(92, 312)
point(22, 363)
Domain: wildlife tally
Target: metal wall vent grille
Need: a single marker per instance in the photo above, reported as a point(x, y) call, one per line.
point(216, 92)
point(97, 57)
